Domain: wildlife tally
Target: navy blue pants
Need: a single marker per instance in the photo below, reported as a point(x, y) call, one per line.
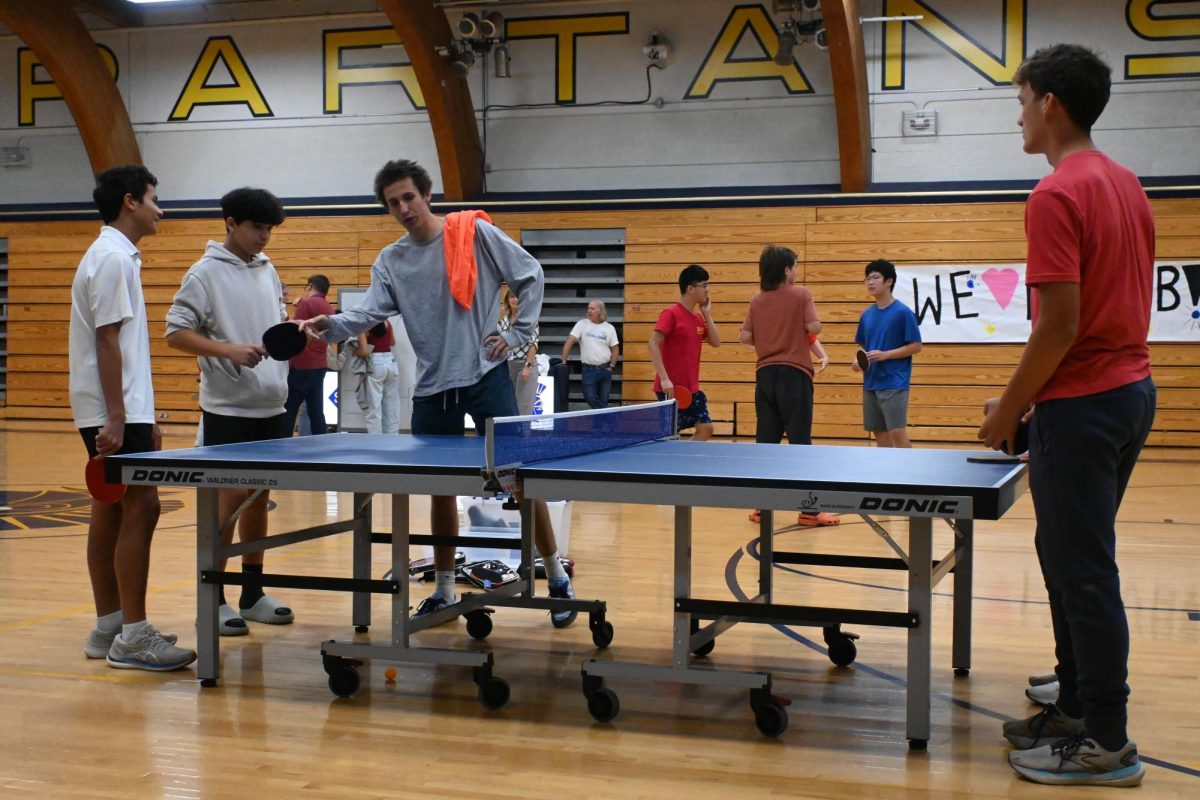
point(597, 381)
point(1082, 452)
point(306, 386)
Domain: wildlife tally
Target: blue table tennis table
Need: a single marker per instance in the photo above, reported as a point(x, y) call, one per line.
point(920, 485)
point(364, 465)
point(617, 455)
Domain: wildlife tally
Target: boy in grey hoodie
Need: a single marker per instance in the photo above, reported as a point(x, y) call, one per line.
point(452, 324)
point(227, 300)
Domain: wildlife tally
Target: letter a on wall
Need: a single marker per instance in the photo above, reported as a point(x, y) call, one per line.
point(242, 90)
point(723, 64)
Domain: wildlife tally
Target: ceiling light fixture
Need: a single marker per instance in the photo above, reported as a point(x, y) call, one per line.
point(478, 36)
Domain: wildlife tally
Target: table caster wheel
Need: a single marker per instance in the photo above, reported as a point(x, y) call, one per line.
point(603, 705)
point(479, 624)
point(842, 651)
point(208, 683)
point(771, 720)
point(494, 693)
point(706, 648)
point(602, 633)
point(361, 628)
point(344, 682)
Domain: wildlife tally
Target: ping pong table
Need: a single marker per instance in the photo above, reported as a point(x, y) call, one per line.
point(626, 455)
point(364, 465)
point(920, 485)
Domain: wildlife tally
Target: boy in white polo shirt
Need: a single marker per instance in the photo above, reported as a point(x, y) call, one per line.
point(112, 402)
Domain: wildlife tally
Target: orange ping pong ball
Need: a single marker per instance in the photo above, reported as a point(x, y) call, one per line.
point(389, 674)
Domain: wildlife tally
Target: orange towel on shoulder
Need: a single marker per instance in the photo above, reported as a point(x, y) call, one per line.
point(458, 242)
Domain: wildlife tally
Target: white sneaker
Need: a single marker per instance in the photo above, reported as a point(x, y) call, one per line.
point(148, 650)
point(99, 642)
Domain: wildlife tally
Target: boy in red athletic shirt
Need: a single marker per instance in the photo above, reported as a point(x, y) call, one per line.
point(1087, 369)
point(675, 348)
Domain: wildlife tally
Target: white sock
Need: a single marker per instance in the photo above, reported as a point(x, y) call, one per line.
point(554, 568)
point(110, 622)
point(131, 630)
point(443, 582)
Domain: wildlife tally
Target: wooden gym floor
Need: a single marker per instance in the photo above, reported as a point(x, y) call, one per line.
point(77, 728)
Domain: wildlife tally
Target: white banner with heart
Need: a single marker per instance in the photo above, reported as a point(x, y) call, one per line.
point(984, 303)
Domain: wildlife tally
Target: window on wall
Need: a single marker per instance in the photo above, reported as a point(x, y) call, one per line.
point(580, 265)
point(3, 321)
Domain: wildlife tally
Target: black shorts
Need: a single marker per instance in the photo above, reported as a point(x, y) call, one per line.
point(138, 439)
point(442, 414)
point(220, 429)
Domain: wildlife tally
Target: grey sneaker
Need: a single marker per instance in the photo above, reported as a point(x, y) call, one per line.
point(1079, 761)
point(563, 590)
point(1043, 694)
point(100, 642)
point(1048, 725)
point(149, 650)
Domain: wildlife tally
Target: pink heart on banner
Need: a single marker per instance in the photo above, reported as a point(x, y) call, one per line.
point(1003, 283)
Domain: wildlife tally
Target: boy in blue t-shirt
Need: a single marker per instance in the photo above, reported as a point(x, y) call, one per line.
point(888, 333)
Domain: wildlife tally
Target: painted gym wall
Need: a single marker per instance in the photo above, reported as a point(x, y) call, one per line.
point(311, 107)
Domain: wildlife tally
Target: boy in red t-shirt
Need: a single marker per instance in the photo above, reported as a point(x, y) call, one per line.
point(675, 348)
point(1087, 368)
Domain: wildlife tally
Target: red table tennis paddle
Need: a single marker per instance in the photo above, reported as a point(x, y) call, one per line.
point(284, 341)
point(864, 363)
point(683, 396)
point(98, 486)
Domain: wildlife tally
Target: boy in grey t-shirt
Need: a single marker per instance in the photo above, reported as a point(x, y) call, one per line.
point(452, 323)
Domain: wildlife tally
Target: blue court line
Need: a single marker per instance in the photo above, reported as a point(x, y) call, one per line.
point(736, 591)
point(752, 549)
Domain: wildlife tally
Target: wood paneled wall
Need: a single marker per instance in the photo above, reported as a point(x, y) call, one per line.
point(950, 382)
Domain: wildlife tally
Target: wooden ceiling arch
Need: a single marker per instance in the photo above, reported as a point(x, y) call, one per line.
point(424, 29)
point(848, 68)
point(56, 35)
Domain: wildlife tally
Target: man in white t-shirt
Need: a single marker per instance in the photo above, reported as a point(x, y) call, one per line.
point(112, 401)
point(599, 351)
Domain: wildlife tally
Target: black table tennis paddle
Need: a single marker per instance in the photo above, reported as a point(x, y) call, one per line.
point(284, 341)
point(1020, 441)
point(1007, 455)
